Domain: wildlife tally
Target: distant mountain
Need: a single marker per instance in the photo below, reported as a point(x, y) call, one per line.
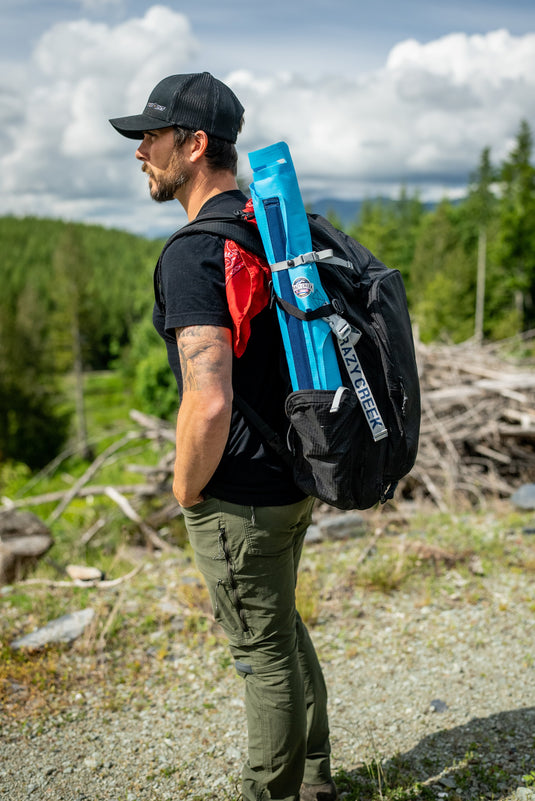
point(349, 210)
point(346, 210)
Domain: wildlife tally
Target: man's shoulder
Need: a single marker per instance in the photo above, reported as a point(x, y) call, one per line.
point(196, 248)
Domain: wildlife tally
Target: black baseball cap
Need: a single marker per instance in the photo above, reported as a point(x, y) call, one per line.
point(197, 101)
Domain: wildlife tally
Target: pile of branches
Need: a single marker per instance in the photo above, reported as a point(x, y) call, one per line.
point(478, 423)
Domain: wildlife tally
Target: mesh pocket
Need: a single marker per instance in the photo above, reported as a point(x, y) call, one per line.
point(335, 458)
point(319, 441)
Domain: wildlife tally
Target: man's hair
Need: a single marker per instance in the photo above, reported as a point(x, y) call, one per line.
point(220, 154)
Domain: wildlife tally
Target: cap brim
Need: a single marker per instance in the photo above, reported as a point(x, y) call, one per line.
point(134, 127)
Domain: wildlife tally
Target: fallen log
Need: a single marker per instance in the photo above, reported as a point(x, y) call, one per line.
point(24, 539)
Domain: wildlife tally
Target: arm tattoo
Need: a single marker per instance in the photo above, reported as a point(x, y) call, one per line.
point(201, 350)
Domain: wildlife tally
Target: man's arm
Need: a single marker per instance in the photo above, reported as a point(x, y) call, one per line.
point(203, 421)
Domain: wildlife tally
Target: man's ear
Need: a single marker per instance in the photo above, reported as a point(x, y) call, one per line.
point(198, 145)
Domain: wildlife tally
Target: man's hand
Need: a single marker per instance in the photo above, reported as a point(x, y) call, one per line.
point(203, 421)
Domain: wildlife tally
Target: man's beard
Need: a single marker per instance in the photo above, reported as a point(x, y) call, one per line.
point(165, 186)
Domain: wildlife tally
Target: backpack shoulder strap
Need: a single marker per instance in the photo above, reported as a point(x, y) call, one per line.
point(270, 437)
point(230, 226)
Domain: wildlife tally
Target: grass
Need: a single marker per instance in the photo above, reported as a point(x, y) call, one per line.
point(375, 780)
point(108, 401)
point(438, 555)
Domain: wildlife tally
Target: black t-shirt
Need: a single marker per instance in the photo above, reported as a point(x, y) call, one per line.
point(192, 286)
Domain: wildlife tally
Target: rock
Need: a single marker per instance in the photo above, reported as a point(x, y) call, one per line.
point(92, 762)
point(475, 566)
point(337, 527)
point(84, 573)
point(313, 534)
point(64, 629)
point(24, 539)
point(192, 580)
point(525, 794)
point(437, 705)
point(524, 497)
point(233, 754)
point(447, 781)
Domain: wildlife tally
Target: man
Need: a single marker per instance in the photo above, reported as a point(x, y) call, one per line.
point(245, 518)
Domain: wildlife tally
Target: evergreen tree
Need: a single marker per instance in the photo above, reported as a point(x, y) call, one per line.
point(70, 271)
point(71, 297)
point(146, 368)
point(517, 227)
point(442, 277)
point(480, 208)
point(33, 424)
point(390, 230)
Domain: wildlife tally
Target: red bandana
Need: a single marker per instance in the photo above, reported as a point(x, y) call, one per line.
point(247, 280)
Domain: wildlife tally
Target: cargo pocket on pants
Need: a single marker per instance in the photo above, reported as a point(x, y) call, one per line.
point(227, 600)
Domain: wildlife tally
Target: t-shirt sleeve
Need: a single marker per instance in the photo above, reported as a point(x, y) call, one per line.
point(193, 283)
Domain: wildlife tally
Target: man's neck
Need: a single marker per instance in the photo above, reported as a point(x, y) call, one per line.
point(194, 195)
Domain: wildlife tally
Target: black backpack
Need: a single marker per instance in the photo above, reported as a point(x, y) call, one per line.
point(330, 446)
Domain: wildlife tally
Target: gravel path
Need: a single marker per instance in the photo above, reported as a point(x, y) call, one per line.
point(440, 686)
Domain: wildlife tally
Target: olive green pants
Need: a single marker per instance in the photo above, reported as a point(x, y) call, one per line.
point(249, 559)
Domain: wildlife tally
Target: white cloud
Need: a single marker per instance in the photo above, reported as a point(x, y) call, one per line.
point(93, 70)
point(59, 151)
point(423, 118)
point(488, 59)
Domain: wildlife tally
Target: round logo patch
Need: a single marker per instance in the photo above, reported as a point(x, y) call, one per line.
point(302, 287)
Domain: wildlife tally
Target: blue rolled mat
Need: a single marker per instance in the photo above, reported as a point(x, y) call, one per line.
point(283, 225)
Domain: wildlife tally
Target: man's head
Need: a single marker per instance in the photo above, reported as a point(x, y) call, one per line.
point(196, 102)
point(185, 116)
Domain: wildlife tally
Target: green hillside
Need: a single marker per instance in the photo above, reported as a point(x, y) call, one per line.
point(72, 297)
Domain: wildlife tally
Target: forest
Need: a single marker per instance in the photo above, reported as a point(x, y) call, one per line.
point(78, 298)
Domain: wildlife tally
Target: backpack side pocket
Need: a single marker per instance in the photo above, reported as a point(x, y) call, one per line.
point(328, 434)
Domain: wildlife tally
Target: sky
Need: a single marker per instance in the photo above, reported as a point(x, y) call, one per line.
point(369, 96)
